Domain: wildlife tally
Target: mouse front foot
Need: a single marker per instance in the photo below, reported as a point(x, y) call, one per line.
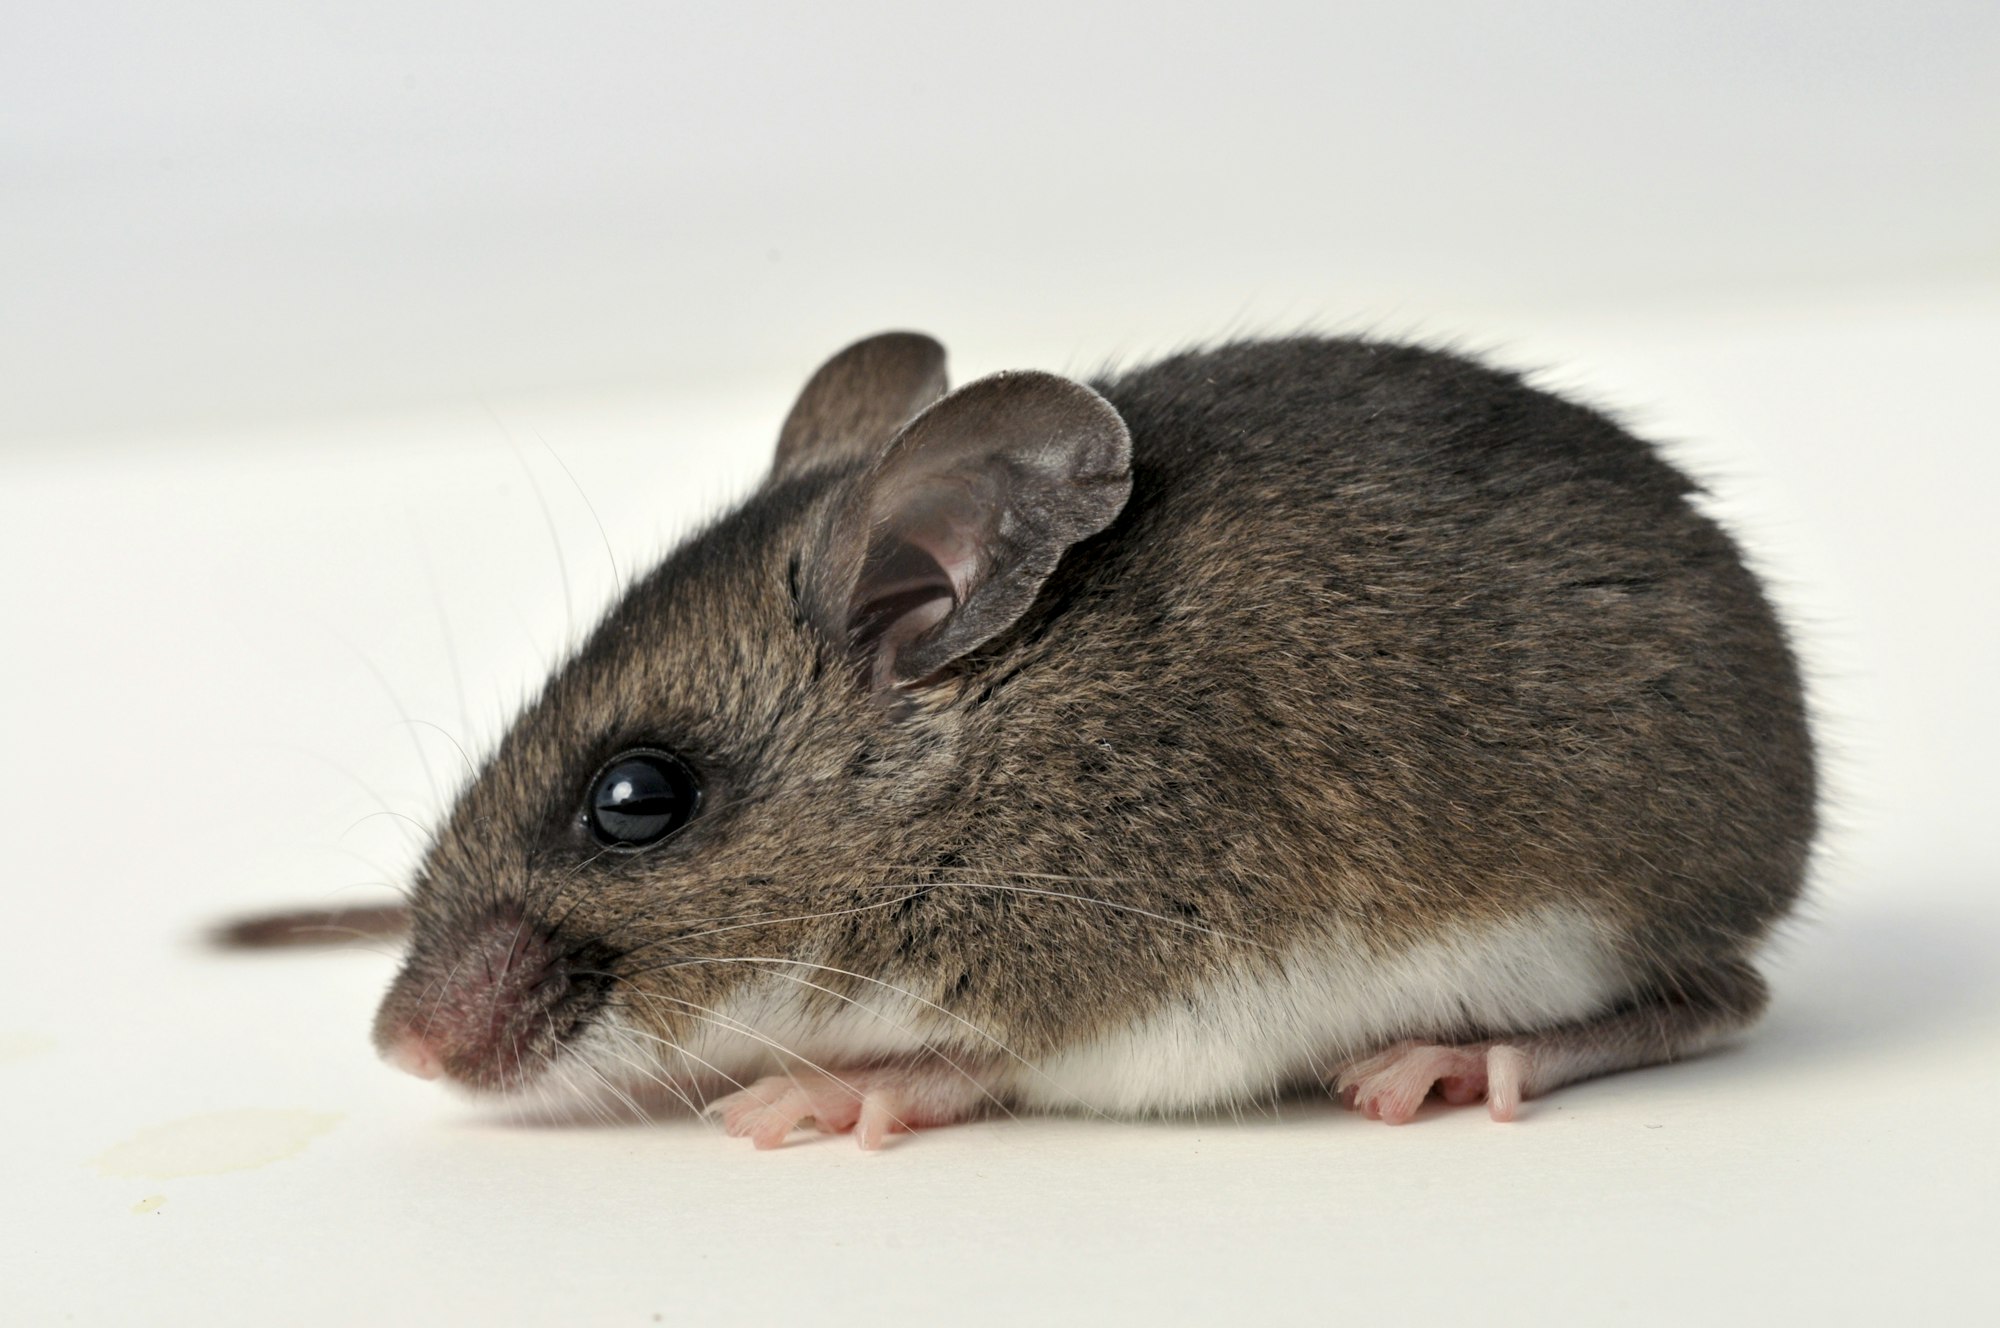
point(871, 1103)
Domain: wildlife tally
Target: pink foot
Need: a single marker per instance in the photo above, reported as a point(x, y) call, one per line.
point(873, 1104)
point(1392, 1084)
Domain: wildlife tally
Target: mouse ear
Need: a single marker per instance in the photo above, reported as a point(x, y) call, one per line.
point(854, 404)
point(946, 542)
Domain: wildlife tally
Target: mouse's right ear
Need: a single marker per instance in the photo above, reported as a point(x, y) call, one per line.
point(857, 401)
point(947, 539)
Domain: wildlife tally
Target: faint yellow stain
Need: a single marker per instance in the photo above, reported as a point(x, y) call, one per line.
point(216, 1142)
point(150, 1204)
point(20, 1046)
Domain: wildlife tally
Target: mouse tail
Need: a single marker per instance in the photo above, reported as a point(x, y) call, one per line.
point(311, 927)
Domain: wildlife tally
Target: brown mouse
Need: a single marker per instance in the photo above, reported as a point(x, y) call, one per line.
point(1290, 712)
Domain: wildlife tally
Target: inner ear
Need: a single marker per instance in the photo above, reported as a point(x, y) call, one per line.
point(855, 403)
point(903, 592)
point(949, 538)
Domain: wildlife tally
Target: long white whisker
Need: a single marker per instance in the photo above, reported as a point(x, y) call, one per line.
point(929, 1047)
point(956, 1018)
point(914, 889)
point(548, 517)
point(799, 917)
point(778, 1047)
point(1102, 903)
point(591, 507)
point(402, 712)
point(647, 1074)
point(637, 1111)
point(783, 1068)
point(678, 1048)
point(471, 770)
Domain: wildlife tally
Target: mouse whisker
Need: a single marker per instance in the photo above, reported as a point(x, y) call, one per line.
point(448, 637)
point(402, 892)
point(423, 830)
point(635, 1034)
point(617, 578)
point(760, 921)
point(355, 933)
point(548, 521)
point(1092, 899)
point(686, 1099)
point(929, 1047)
point(783, 1068)
point(471, 770)
point(556, 1105)
point(999, 1043)
point(537, 1087)
point(914, 889)
point(374, 795)
point(736, 1026)
point(708, 1015)
point(506, 968)
point(402, 713)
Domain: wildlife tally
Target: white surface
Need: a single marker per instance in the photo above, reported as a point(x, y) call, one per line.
point(202, 632)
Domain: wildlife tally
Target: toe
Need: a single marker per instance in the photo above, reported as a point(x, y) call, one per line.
point(1506, 1081)
point(771, 1127)
point(877, 1120)
point(1391, 1085)
point(1356, 1073)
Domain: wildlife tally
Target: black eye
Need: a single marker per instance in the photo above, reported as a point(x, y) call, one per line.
point(640, 798)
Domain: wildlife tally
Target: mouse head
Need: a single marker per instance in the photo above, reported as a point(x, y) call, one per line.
point(724, 792)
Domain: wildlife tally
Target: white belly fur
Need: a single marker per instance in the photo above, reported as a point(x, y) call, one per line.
point(1240, 1038)
point(1247, 1036)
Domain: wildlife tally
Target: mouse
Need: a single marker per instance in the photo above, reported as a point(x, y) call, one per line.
point(1307, 714)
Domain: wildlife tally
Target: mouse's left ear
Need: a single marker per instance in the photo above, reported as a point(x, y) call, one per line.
point(947, 540)
point(854, 403)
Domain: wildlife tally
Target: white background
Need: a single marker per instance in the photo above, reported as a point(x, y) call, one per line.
point(324, 329)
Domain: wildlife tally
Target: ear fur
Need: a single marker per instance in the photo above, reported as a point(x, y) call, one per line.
point(854, 403)
point(948, 539)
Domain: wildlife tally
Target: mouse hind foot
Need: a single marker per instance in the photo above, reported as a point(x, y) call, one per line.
point(1675, 1021)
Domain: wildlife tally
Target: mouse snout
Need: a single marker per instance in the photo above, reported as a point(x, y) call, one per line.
point(485, 1013)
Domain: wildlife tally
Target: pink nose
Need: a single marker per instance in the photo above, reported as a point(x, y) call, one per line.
point(412, 1055)
point(474, 1009)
